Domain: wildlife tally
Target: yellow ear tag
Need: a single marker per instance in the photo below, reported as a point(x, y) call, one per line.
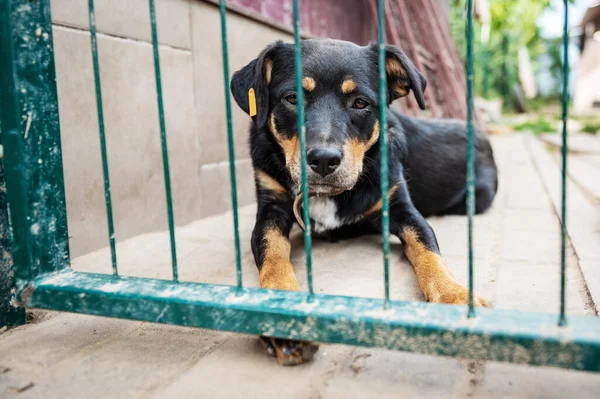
point(251, 102)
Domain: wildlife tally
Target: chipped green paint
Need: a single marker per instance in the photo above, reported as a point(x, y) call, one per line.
point(9, 314)
point(527, 338)
point(384, 173)
point(470, 150)
point(31, 140)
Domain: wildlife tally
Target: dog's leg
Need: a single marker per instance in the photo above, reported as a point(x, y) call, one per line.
point(421, 247)
point(271, 248)
point(276, 271)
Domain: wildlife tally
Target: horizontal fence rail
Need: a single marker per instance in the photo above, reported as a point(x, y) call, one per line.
point(35, 187)
point(519, 337)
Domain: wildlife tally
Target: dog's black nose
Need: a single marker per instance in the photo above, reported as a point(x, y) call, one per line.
point(325, 160)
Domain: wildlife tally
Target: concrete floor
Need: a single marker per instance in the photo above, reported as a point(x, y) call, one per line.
point(517, 266)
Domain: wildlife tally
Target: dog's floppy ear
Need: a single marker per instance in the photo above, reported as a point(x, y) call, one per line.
point(403, 76)
point(250, 86)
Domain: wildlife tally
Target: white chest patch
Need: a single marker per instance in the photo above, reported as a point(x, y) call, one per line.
point(323, 212)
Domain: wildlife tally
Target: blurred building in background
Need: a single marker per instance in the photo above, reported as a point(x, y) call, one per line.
point(586, 96)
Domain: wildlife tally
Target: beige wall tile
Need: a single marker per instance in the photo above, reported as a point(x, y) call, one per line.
point(215, 186)
point(133, 137)
point(129, 18)
point(86, 213)
point(246, 40)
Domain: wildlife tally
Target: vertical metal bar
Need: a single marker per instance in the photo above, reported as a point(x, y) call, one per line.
point(394, 38)
point(445, 60)
point(506, 69)
point(403, 11)
point(163, 140)
point(430, 42)
point(31, 140)
point(470, 150)
point(234, 204)
point(107, 195)
point(302, 136)
point(562, 320)
point(404, 105)
point(409, 106)
point(452, 57)
point(383, 101)
point(485, 84)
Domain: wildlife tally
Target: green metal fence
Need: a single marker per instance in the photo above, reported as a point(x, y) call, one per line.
point(42, 276)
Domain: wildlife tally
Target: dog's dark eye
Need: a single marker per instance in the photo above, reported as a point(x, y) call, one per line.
point(291, 99)
point(360, 104)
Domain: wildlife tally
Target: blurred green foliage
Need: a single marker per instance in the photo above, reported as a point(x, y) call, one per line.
point(591, 127)
point(513, 24)
point(536, 127)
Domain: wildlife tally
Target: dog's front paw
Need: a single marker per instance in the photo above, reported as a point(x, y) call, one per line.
point(452, 293)
point(289, 352)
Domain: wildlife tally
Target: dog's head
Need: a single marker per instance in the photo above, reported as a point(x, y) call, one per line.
point(341, 104)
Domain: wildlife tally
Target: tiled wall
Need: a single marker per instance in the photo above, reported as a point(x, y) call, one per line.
point(193, 89)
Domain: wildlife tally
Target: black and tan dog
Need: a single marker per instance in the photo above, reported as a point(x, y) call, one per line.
point(427, 163)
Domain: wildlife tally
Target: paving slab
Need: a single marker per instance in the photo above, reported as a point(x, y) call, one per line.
point(583, 217)
point(516, 265)
point(585, 172)
point(512, 381)
point(578, 143)
point(592, 159)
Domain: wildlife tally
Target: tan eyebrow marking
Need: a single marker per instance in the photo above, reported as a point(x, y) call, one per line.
point(309, 84)
point(348, 86)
